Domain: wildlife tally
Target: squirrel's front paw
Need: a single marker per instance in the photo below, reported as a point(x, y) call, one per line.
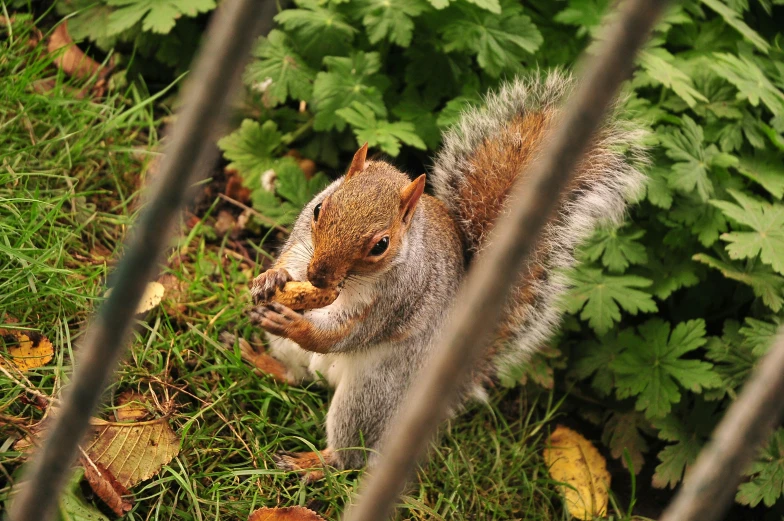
point(276, 318)
point(264, 286)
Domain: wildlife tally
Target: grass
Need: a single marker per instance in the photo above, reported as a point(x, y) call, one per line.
point(69, 176)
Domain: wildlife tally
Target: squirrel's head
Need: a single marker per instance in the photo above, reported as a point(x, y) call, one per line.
point(359, 228)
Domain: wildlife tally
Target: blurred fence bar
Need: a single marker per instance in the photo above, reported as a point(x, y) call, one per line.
point(189, 157)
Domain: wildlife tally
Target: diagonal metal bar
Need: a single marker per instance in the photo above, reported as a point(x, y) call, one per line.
point(489, 282)
point(707, 491)
point(191, 152)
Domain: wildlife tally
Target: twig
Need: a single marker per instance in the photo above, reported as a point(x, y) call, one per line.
point(490, 281)
point(191, 151)
point(710, 484)
point(259, 215)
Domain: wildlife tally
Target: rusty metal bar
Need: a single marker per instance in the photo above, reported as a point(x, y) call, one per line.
point(206, 96)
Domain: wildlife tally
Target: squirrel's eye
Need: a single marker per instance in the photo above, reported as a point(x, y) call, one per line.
point(316, 212)
point(380, 247)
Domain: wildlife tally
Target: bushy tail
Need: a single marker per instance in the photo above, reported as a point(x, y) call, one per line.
point(477, 166)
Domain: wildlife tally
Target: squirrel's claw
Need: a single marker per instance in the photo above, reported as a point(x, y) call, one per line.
point(310, 465)
point(275, 318)
point(263, 287)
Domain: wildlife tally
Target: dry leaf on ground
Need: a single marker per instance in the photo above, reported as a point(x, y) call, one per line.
point(131, 406)
point(284, 514)
point(152, 296)
point(133, 452)
point(71, 60)
point(106, 487)
point(573, 460)
point(27, 350)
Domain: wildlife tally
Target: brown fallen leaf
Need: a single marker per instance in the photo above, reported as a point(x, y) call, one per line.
point(284, 514)
point(131, 406)
point(27, 350)
point(224, 223)
point(573, 460)
point(175, 294)
point(234, 187)
point(71, 60)
point(106, 487)
point(133, 452)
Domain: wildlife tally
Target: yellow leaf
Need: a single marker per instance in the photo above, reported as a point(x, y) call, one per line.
point(133, 452)
point(131, 406)
point(284, 514)
point(28, 350)
point(574, 461)
point(151, 297)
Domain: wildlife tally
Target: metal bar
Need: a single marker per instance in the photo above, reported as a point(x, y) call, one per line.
point(190, 154)
point(489, 282)
point(707, 491)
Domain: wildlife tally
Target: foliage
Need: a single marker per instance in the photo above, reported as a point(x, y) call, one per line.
point(674, 308)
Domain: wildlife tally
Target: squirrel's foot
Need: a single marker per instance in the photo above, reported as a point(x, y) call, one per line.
point(310, 465)
point(279, 320)
point(261, 360)
point(263, 287)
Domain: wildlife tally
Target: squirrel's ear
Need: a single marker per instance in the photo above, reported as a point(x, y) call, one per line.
point(358, 163)
point(409, 197)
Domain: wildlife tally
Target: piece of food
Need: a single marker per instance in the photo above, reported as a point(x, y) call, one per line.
point(304, 295)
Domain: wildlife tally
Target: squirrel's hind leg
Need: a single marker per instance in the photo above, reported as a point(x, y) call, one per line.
point(310, 465)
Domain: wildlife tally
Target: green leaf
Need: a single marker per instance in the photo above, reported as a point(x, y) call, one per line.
point(381, 133)
point(759, 334)
point(158, 16)
point(421, 115)
point(494, 6)
point(318, 30)
point(703, 220)
point(751, 82)
point(73, 506)
point(266, 203)
point(670, 274)
point(622, 432)
point(390, 19)
point(251, 149)
point(594, 358)
point(767, 221)
point(766, 285)
point(293, 186)
point(651, 367)
point(349, 80)
point(617, 248)
point(601, 297)
point(689, 430)
point(734, 19)
point(665, 69)
point(767, 170)
point(732, 358)
point(454, 110)
point(658, 188)
point(767, 475)
point(499, 42)
point(279, 70)
point(693, 160)
point(585, 14)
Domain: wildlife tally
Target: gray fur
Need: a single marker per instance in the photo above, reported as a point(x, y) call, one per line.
point(603, 202)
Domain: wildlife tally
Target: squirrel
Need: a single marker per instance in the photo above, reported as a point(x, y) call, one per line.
point(398, 257)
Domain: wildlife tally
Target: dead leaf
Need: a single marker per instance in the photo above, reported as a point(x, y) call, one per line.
point(224, 223)
point(151, 297)
point(72, 60)
point(175, 294)
point(284, 514)
point(234, 187)
point(27, 350)
point(106, 487)
point(573, 460)
point(131, 406)
point(133, 452)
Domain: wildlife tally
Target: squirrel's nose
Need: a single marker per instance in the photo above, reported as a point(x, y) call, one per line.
point(317, 275)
